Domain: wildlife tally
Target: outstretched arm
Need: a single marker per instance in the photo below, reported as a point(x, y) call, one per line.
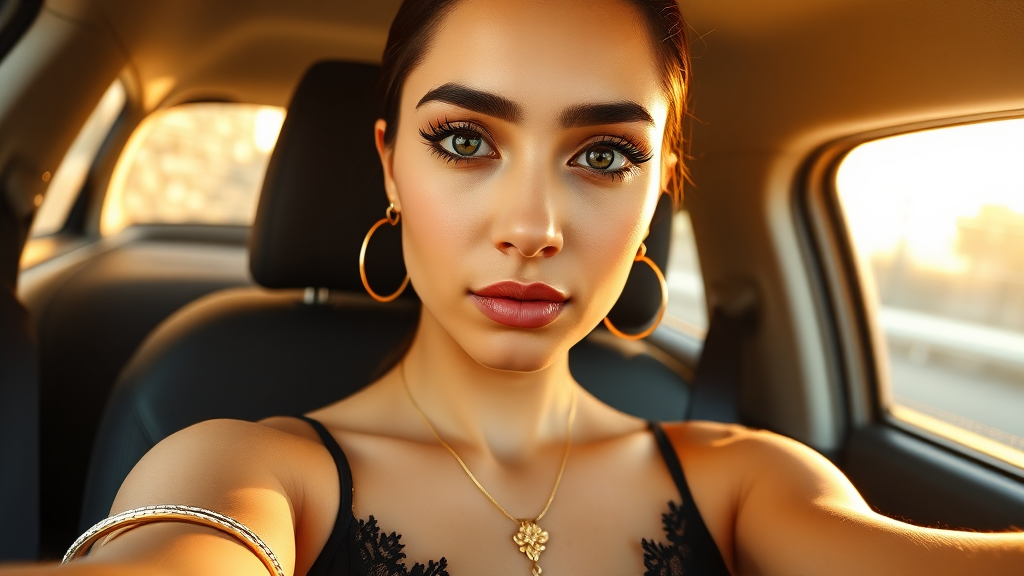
point(247, 471)
point(797, 514)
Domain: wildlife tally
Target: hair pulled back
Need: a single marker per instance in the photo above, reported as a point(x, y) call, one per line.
point(413, 30)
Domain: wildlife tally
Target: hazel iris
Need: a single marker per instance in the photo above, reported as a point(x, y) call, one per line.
point(466, 145)
point(600, 158)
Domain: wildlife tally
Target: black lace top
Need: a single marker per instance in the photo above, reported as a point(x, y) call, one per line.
point(359, 547)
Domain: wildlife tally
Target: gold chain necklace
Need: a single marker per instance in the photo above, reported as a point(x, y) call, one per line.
point(531, 538)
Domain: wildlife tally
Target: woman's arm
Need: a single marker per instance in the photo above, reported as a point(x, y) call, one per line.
point(797, 514)
point(251, 472)
point(84, 568)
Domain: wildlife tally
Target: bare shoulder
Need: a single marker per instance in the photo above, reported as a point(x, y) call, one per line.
point(271, 476)
point(223, 453)
point(746, 459)
point(731, 470)
point(738, 445)
point(699, 434)
point(291, 426)
point(782, 508)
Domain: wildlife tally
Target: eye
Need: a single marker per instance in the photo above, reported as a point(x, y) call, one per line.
point(612, 157)
point(457, 141)
point(603, 158)
point(466, 145)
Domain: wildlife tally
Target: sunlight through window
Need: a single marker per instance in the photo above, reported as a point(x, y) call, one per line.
point(193, 164)
point(937, 220)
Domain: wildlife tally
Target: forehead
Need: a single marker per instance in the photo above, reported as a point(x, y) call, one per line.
point(543, 54)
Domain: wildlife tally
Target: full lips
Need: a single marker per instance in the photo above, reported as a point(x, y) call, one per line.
point(518, 313)
point(519, 305)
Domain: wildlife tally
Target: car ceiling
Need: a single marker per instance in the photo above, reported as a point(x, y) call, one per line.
point(779, 73)
point(240, 50)
point(788, 74)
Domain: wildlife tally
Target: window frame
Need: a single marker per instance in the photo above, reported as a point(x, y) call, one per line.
point(17, 18)
point(71, 224)
point(79, 227)
point(855, 341)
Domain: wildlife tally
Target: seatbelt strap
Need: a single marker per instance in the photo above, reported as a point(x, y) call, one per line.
point(717, 380)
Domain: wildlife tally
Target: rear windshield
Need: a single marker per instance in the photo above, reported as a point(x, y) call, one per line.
point(193, 164)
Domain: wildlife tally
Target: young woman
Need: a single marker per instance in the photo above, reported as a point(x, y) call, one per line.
point(525, 146)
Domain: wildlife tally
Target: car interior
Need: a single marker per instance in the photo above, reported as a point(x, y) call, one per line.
point(117, 332)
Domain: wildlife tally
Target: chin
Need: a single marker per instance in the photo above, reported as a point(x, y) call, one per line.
point(517, 352)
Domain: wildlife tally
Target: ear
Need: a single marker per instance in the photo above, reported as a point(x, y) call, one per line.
point(668, 169)
point(387, 154)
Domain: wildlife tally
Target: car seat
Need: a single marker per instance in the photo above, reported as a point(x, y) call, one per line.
point(309, 335)
point(19, 415)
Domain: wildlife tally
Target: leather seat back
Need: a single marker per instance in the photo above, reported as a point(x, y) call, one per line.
point(19, 387)
point(250, 353)
point(19, 433)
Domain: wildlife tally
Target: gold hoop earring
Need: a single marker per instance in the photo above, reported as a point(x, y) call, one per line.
point(392, 217)
point(641, 256)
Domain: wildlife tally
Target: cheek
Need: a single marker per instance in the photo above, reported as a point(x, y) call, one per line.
point(605, 241)
point(438, 221)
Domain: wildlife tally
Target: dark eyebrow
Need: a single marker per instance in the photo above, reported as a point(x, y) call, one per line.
point(611, 113)
point(475, 100)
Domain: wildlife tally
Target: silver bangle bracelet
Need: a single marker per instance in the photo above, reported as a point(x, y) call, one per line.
point(136, 517)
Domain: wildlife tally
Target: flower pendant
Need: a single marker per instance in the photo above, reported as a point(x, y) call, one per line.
point(531, 539)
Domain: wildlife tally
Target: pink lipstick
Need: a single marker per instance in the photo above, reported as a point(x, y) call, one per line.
point(519, 305)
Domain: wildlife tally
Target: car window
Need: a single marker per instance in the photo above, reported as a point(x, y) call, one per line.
point(193, 164)
point(66, 182)
point(686, 306)
point(937, 220)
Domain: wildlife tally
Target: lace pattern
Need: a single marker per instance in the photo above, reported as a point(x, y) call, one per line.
point(381, 553)
point(671, 559)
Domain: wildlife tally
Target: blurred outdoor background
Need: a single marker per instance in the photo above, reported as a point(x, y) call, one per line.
point(197, 164)
point(937, 219)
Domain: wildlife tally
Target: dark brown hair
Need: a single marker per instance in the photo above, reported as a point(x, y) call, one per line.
point(413, 29)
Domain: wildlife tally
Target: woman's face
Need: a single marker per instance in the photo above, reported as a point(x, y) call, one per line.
point(528, 153)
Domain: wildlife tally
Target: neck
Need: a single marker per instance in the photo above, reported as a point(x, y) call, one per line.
point(506, 415)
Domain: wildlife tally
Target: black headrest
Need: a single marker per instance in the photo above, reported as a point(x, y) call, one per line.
point(638, 305)
point(324, 189)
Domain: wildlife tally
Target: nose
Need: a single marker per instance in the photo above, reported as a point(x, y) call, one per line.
point(528, 217)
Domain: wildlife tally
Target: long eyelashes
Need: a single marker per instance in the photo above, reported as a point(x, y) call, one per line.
point(441, 130)
point(628, 154)
point(633, 155)
point(633, 152)
point(436, 134)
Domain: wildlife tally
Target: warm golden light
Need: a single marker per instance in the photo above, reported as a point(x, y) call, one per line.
point(66, 182)
point(912, 190)
point(1007, 447)
point(195, 163)
point(937, 220)
point(267, 127)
